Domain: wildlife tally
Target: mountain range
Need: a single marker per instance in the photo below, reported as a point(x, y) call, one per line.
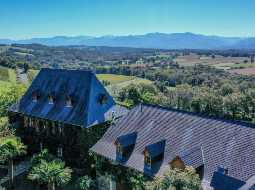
point(150, 40)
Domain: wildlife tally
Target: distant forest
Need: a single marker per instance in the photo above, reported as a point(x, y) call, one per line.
point(197, 88)
point(79, 57)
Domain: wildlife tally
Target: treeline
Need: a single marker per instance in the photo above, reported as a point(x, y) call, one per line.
point(71, 56)
point(226, 102)
point(199, 89)
point(82, 57)
point(172, 75)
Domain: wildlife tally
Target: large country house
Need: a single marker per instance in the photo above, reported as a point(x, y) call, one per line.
point(68, 112)
point(63, 110)
point(152, 139)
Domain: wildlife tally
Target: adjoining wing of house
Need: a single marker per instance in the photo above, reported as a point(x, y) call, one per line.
point(151, 139)
point(74, 97)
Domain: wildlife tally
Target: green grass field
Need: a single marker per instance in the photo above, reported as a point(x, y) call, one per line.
point(242, 65)
point(114, 79)
point(7, 75)
point(115, 88)
point(32, 74)
point(4, 74)
point(12, 76)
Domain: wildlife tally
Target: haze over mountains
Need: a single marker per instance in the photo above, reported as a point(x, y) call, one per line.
point(150, 40)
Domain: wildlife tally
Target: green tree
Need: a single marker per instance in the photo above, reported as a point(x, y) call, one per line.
point(25, 67)
point(85, 183)
point(252, 59)
point(137, 182)
point(10, 148)
point(233, 105)
point(186, 179)
point(10, 94)
point(43, 155)
point(226, 89)
point(5, 128)
point(53, 173)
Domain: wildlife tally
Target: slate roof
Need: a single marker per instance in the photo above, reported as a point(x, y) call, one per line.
point(224, 182)
point(81, 86)
point(196, 139)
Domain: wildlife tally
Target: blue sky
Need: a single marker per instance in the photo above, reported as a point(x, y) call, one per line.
point(21, 19)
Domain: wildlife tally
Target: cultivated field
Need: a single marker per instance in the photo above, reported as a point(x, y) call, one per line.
point(237, 65)
point(217, 61)
point(245, 71)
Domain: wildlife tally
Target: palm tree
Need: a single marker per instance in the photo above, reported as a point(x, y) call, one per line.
point(43, 155)
point(51, 173)
point(10, 148)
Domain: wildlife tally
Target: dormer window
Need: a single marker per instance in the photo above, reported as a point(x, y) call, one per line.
point(223, 170)
point(35, 95)
point(69, 101)
point(177, 163)
point(51, 98)
point(124, 146)
point(153, 153)
point(102, 99)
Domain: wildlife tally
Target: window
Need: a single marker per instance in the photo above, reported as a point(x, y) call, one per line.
point(53, 128)
point(37, 126)
point(120, 153)
point(47, 125)
point(30, 122)
point(154, 153)
point(124, 146)
point(41, 146)
point(119, 149)
point(102, 99)
point(35, 98)
point(223, 170)
point(35, 95)
point(44, 124)
point(69, 102)
point(60, 130)
point(25, 121)
point(147, 160)
point(51, 99)
point(60, 152)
